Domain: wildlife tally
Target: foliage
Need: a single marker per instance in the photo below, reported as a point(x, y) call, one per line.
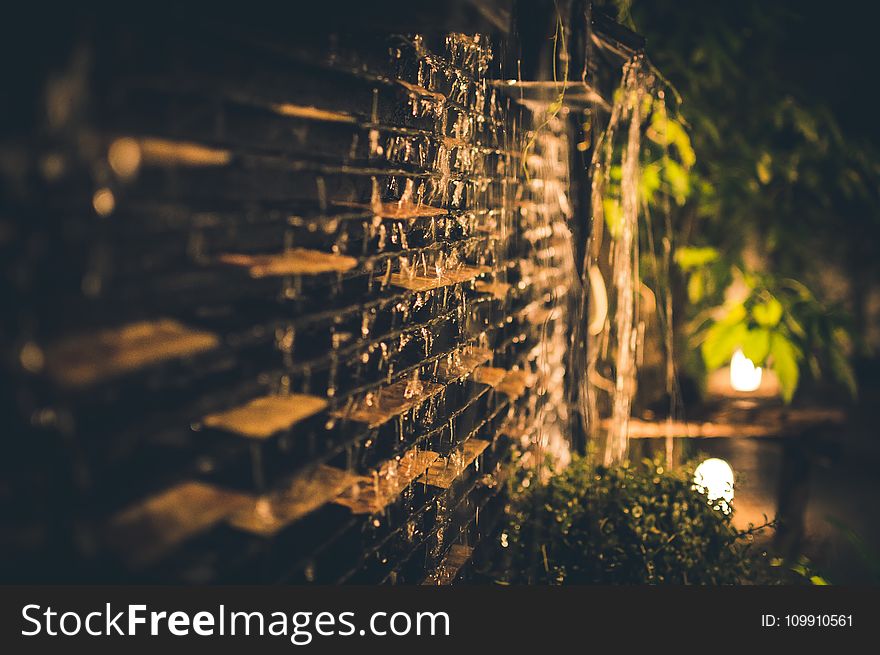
point(667, 156)
point(627, 524)
point(802, 568)
point(773, 161)
point(776, 180)
point(778, 323)
point(866, 554)
point(666, 159)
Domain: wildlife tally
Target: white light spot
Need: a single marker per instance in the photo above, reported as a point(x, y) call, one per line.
point(715, 477)
point(744, 375)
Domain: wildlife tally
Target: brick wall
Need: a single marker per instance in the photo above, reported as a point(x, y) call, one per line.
point(284, 310)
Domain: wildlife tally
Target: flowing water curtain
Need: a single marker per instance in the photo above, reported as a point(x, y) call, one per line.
point(545, 209)
point(556, 261)
point(613, 339)
point(665, 185)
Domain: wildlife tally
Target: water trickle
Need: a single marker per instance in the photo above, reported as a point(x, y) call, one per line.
point(414, 386)
point(617, 209)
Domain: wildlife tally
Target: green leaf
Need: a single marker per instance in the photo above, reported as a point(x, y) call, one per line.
point(763, 168)
point(650, 181)
point(689, 258)
point(756, 345)
point(735, 314)
point(679, 181)
point(768, 314)
point(794, 325)
point(785, 364)
point(695, 287)
point(613, 215)
point(842, 370)
point(815, 369)
point(722, 340)
point(682, 142)
point(659, 127)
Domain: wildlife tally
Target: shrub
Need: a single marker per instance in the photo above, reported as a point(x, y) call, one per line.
point(627, 524)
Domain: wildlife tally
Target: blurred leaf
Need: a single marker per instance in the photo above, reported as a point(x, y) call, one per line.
point(756, 345)
point(679, 182)
point(613, 215)
point(815, 369)
point(794, 325)
point(763, 168)
point(785, 364)
point(711, 130)
point(842, 370)
point(866, 553)
point(768, 314)
point(722, 340)
point(650, 181)
point(695, 287)
point(682, 142)
point(658, 131)
point(689, 258)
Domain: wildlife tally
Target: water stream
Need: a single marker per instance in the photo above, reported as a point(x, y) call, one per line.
point(613, 347)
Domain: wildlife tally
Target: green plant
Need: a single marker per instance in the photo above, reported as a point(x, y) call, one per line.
point(777, 162)
point(626, 524)
point(665, 161)
point(778, 323)
point(780, 177)
point(866, 554)
point(801, 570)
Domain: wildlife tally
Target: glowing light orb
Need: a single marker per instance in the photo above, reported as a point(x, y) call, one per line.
point(744, 375)
point(715, 477)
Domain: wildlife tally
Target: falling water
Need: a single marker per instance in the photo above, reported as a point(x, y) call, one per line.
point(625, 277)
point(617, 343)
